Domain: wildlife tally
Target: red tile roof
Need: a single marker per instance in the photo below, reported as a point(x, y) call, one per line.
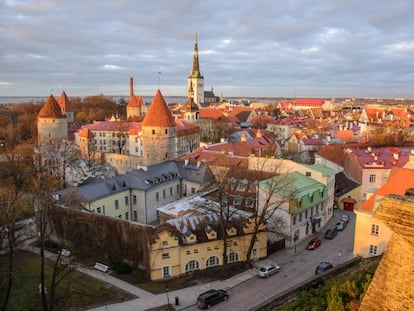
point(158, 113)
point(85, 132)
point(135, 101)
point(309, 102)
point(381, 158)
point(332, 153)
point(399, 181)
point(51, 109)
point(64, 103)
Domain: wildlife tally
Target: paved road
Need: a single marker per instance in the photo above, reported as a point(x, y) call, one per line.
point(295, 268)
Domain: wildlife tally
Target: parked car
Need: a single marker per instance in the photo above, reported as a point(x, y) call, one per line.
point(211, 297)
point(331, 233)
point(345, 218)
point(268, 270)
point(314, 243)
point(322, 267)
point(340, 225)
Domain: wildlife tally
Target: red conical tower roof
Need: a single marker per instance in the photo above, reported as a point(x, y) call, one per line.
point(158, 113)
point(51, 109)
point(64, 103)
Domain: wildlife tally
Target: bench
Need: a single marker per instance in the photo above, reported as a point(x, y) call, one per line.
point(101, 267)
point(66, 252)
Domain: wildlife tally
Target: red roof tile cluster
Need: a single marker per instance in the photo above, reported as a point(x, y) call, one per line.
point(51, 109)
point(158, 113)
point(399, 181)
point(309, 102)
point(112, 126)
point(64, 103)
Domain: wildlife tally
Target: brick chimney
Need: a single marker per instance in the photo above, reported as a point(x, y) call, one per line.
point(131, 87)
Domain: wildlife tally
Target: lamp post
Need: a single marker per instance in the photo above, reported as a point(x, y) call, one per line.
point(168, 298)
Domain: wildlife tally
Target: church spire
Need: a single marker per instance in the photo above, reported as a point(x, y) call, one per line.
point(196, 68)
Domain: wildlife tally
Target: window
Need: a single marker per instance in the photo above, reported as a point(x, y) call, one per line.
point(134, 199)
point(188, 252)
point(178, 188)
point(193, 190)
point(373, 249)
point(126, 216)
point(165, 255)
point(250, 202)
point(232, 257)
point(126, 201)
point(212, 261)
point(164, 243)
point(171, 191)
point(153, 132)
point(116, 204)
point(157, 196)
point(192, 265)
point(98, 210)
point(375, 230)
point(372, 178)
point(300, 217)
point(135, 215)
point(237, 200)
point(195, 250)
point(308, 174)
point(165, 272)
point(163, 194)
point(166, 131)
point(294, 220)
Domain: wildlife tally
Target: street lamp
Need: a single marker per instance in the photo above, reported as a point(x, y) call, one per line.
point(168, 298)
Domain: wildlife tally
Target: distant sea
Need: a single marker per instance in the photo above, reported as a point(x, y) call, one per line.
point(148, 99)
point(41, 99)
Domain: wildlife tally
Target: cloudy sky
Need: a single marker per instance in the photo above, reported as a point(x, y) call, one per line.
point(270, 48)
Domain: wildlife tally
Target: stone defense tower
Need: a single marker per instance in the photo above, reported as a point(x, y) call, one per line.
point(158, 133)
point(135, 105)
point(66, 107)
point(195, 79)
point(52, 125)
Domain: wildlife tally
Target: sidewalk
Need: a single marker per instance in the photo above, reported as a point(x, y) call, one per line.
point(187, 296)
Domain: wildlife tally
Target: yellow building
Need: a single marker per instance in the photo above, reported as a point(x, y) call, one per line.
point(371, 234)
point(188, 244)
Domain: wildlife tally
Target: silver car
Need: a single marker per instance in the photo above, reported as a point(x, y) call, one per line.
point(268, 270)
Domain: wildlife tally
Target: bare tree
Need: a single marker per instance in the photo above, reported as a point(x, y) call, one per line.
point(272, 194)
point(15, 173)
point(121, 136)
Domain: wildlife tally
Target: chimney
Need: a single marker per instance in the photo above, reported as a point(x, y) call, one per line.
point(369, 149)
point(395, 155)
point(259, 134)
point(131, 87)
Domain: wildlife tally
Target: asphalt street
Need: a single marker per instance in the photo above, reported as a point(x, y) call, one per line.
point(295, 268)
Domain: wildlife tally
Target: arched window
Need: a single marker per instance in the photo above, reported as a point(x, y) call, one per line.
point(192, 265)
point(212, 261)
point(233, 257)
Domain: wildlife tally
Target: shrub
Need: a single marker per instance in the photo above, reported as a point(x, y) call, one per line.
point(121, 267)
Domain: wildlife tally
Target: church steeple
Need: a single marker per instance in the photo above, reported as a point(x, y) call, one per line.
point(195, 79)
point(196, 66)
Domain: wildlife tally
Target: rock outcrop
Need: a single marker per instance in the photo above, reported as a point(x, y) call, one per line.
point(392, 287)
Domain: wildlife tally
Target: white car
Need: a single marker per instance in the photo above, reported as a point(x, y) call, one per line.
point(345, 218)
point(268, 270)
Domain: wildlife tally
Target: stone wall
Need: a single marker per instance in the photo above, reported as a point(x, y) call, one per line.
point(392, 287)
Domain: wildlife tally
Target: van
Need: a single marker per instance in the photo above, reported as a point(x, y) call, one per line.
point(211, 297)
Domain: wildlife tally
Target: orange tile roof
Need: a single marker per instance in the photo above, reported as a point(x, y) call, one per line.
point(51, 109)
point(399, 181)
point(135, 101)
point(85, 132)
point(332, 153)
point(158, 113)
point(64, 103)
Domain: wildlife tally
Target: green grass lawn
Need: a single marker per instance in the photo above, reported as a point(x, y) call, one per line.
point(78, 291)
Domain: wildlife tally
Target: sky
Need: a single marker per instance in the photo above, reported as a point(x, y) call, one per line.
point(261, 48)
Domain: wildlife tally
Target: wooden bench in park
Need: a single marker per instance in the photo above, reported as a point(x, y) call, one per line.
point(101, 267)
